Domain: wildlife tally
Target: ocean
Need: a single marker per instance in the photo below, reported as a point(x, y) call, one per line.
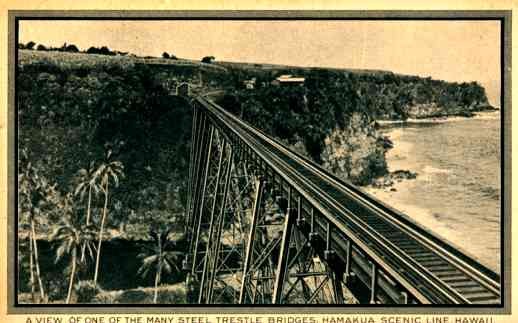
point(457, 190)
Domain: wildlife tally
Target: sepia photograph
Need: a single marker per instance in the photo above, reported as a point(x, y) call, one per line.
point(259, 161)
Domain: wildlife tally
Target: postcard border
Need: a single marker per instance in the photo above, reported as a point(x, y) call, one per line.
point(504, 16)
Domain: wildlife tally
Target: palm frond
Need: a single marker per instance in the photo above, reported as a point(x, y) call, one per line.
point(114, 177)
point(70, 244)
point(61, 232)
point(143, 271)
point(99, 171)
point(150, 249)
point(60, 252)
point(166, 266)
point(80, 188)
point(96, 189)
point(90, 247)
point(171, 259)
point(148, 261)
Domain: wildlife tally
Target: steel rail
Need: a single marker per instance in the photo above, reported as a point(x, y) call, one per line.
point(424, 237)
point(481, 274)
point(408, 285)
point(436, 283)
point(361, 199)
point(487, 287)
point(461, 264)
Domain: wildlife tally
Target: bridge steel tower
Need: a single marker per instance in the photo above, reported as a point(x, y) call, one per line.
point(243, 227)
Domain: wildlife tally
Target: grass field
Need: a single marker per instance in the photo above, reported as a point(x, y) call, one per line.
point(78, 60)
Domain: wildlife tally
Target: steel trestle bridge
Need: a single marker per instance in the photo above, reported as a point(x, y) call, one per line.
point(268, 226)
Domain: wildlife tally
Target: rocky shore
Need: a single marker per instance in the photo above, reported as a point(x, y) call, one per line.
point(398, 172)
point(444, 174)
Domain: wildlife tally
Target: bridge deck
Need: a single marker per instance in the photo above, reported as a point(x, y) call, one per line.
point(432, 270)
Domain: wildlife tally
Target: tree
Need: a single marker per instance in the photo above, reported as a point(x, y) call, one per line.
point(107, 171)
point(208, 59)
point(105, 51)
point(160, 258)
point(32, 188)
point(25, 227)
point(71, 235)
point(30, 45)
point(71, 48)
point(41, 47)
point(87, 182)
point(165, 55)
point(92, 50)
point(102, 51)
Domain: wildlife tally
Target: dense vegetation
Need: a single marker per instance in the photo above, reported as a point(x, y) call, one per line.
point(104, 148)
point(380, 94)
point(332, 117)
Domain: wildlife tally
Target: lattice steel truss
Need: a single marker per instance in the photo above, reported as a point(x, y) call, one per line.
point(266, 225)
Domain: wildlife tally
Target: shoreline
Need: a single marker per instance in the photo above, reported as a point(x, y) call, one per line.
point(481, 115)
point(399, 193)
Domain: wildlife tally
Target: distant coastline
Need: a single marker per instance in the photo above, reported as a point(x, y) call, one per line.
point(486, 114)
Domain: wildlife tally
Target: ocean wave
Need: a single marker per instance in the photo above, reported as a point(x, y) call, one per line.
point(491, 192)
point(482, 115)
point(433, 170)
point(491, 115)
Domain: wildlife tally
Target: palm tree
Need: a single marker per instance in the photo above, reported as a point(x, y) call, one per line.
point(71, 236)
point(32, 188)
point(159, 258)
point(24, 227)
point(88, 182)
point(107, 171)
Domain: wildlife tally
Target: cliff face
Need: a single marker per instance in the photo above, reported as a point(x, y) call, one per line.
point(330, 118)
point(401, 97)
point(355, 153)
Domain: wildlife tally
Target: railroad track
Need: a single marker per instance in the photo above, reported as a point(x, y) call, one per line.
point(431, 270)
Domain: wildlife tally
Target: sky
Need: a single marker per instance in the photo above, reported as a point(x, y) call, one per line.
point(460, 51)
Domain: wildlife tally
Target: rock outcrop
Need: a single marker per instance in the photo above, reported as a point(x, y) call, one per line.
point(355, 153)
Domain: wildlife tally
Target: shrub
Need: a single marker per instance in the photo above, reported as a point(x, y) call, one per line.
point(168, 56)
point(30, 45)
point(172, 297)
point(86, 291)
point(57, 289)
point(106, 51)
point(102, 51)
point(134, 297)
point(71, 48)
point(106, 298)
point(208, 59)
point(92, 50)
